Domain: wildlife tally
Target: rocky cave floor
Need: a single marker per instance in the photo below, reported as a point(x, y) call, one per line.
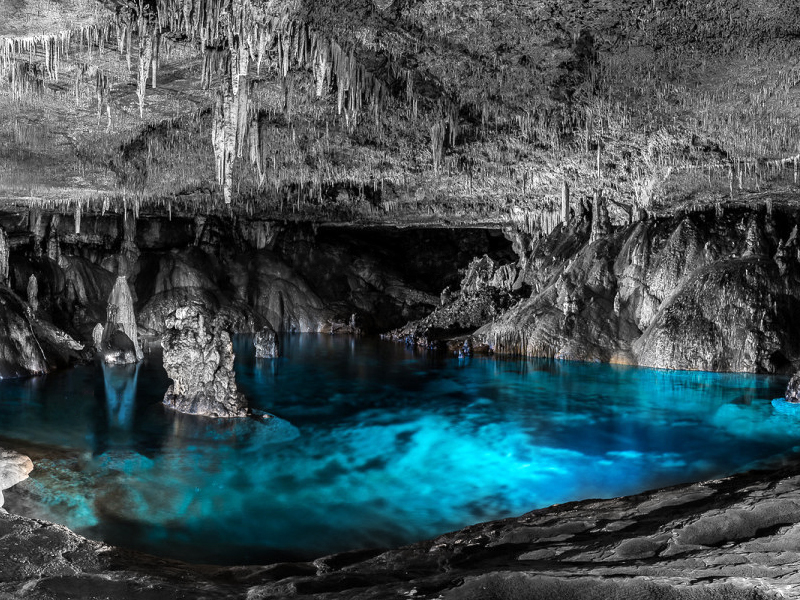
point(733, 538)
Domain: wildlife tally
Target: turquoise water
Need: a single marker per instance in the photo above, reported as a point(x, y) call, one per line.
point(375, 445)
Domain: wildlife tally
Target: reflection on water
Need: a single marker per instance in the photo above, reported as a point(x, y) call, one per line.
point(373, 445)
point(120, 387)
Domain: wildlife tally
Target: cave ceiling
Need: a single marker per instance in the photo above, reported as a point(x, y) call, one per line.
point(404, 111)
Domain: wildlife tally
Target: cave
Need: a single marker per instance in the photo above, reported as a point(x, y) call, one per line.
point(399, 299)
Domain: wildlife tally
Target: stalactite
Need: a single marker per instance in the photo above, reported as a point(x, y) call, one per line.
point(145, 59)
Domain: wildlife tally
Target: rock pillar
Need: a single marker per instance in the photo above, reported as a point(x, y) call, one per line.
point(198, 357)
point(564, 202)
point(53, 244)
point(5, 251)
point(33, 293)
point(14, 467)
point(266, 343)
point(35, 226)
point(120, 337)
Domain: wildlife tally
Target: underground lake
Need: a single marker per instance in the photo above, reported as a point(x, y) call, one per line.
point(372, 445)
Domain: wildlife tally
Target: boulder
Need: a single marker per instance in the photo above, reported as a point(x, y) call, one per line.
point(14, 467)
point(198, 357)
point(266, 343)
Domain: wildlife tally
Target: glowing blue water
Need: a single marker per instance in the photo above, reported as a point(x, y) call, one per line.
point(375, 446)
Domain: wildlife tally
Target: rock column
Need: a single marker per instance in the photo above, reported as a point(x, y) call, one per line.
point(266, 343)
point(198, 357)
point(4, 254)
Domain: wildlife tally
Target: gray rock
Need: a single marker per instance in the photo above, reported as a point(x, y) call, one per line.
point(120, 337)
point(735, 538)
point(266, 343)
point(14, 467)
point(793, 388)
point(686, 292)
point(20, 352)
point(198, 357)
point(4, 254)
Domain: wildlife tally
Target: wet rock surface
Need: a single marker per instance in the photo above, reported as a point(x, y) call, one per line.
point(730, 538)
point(198, 357)
point(266, 343)
point(250, 273)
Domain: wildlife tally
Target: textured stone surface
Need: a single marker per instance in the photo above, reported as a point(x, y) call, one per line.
point(20, 352)
point(793, 389)
point(695, 291)
point(120, 336)
point(266, 343)
point(14, 467)
point(198, 357)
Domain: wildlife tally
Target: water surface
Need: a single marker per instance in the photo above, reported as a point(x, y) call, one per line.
point(373, 445)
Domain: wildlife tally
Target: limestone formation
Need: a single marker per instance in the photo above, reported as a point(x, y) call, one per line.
point(266, 343)
point(198, 357)
point(120, 336)
point(601, 225)
point(729, 539)
point(20, 351)
point(793, 389)
point(14, 467)
point(53, 241)
point(4, 254)
point(33, 293)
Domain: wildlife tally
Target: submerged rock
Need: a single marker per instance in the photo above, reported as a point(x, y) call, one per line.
point(14, 467)
point(266, 343)
point(198, 357)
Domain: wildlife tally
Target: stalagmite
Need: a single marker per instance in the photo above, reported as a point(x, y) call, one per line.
point(77, 217)
point(4, 254)
point(121, 318)
point(601, 225)
point(35, 225)
point(129, 252)
point(437, 145)
point(33, 293)
point(53, 243)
